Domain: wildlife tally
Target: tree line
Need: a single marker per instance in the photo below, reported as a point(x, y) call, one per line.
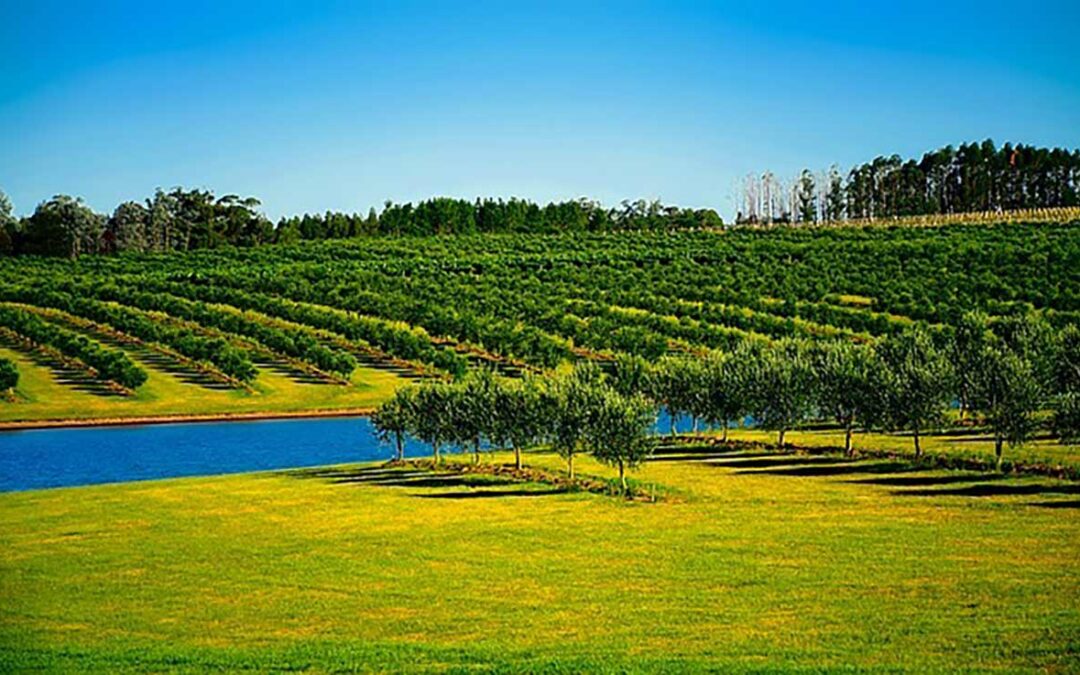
point(1004, 372)
point(186, 220)
point(973, 177)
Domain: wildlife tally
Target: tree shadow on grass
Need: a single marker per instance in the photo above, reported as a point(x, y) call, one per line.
point(996, 490)
point(771, 460)
point(71, 377)
point(838, 468)
point(490, 494)
point(391, 477)
point(914, 481)
point(696, 453)
point(1066, 504)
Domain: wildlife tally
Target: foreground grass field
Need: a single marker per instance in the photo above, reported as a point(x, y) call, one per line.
point(42, 395)
point(762, 561)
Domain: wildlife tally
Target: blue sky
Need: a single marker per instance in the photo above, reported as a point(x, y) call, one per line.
point(314, 106)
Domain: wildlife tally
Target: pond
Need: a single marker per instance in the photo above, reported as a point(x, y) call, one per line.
point(46, 458)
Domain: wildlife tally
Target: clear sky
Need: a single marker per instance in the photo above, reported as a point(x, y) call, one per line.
point(317, 105)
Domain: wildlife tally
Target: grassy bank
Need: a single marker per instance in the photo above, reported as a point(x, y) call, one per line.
point(759, 564)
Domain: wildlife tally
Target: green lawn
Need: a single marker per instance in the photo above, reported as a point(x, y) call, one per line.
point(764, 562)
point(41, 396)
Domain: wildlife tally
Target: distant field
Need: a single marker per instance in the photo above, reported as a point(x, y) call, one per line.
point(761, 562)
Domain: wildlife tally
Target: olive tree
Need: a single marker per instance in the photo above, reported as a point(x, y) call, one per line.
point(781, 385)
point(568, 404)
point(845, 373)
point(518, 415)
point(393, 419)
point(433, 422)
point(472, 409)
point(914, 383)
point(724, 388)
point(618, 434)
point(1007, 392)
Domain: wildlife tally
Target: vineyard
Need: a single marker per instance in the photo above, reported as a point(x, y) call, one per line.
point(336, 313)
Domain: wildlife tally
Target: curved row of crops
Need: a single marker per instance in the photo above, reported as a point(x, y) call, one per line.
point(545, 300)
point(110, 364)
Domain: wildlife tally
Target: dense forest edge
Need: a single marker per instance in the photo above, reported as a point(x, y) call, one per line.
point(974, 178)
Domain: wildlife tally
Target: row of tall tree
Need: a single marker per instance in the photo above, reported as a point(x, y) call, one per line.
point(184, 220)
point(575, 412)
point(973, 177)
point(1005, 373)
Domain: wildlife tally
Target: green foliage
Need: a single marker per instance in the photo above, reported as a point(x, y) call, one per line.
point(9, 375)
point(781, 386)
point(395, 417)
point(1066, 422)
point(231, 361)
point(845, 381)
point(914, 383)
point(726, 385)
point(619, 429)
point(63, 226)
point(111, 364)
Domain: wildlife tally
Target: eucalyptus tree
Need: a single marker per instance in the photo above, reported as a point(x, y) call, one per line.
point(63, 226)
point(9, 226)
point(845, 375)
point(618, 434)
point(781, 385)
point(127, 229)
point(914, 381)
point(9, 376)
point(393, 419)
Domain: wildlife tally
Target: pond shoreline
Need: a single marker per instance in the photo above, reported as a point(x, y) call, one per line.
point(180, 419)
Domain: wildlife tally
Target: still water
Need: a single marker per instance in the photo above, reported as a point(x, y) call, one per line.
point(44, 458)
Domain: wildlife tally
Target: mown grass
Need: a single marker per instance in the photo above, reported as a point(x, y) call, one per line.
point(760, 564)
point(39, 396)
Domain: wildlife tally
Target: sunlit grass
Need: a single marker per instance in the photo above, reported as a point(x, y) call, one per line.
point(755, 567)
